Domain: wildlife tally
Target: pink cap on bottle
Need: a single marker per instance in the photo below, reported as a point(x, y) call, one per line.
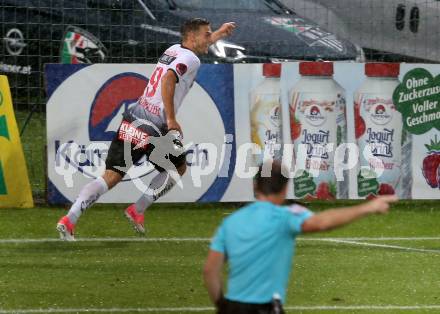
point(316, 68)
point(382, 69)
point(272, 69)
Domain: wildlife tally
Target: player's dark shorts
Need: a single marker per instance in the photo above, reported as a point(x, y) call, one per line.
point(128, 138)
point(232, 307)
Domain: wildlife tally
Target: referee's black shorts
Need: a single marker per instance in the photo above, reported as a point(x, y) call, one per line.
point(232, 307)
point(122, 155)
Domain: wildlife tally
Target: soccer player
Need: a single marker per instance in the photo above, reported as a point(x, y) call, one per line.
point(145, 124)
point(258, 241)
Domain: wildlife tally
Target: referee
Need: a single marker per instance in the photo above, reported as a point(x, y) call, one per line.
point(258, 242)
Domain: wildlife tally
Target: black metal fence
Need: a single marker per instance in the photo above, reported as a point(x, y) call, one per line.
point(36, 32)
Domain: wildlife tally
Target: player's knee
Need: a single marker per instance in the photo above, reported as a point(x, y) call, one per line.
point(111, 178)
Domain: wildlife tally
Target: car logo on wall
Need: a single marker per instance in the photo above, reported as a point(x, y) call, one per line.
point(14, 42)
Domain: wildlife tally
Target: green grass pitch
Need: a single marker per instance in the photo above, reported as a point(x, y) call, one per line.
point(383, 264)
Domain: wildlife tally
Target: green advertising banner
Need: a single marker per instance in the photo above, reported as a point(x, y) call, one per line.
point(418, 100)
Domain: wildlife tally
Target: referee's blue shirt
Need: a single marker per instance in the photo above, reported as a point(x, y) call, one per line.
point(259, 242)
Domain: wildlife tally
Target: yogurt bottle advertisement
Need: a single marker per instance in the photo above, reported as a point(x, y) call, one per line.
point(345, 130)
point(384, 146)
point(318, 124)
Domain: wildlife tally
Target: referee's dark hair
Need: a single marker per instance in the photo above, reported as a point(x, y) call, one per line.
point(192, 25)
point(272, 181)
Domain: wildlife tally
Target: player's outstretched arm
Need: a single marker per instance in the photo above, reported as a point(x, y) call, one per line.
point(212, 275)
point(334, 218)
point(224, 31)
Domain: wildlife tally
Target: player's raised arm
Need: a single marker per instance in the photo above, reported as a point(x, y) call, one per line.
point(334, 218)
point(224, 31)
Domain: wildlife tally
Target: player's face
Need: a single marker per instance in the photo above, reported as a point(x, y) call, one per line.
point(202, 39)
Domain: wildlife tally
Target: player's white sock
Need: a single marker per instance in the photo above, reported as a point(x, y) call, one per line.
point(158, 187)
point(88, 195)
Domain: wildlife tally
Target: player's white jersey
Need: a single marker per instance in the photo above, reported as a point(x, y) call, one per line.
point(184, 63)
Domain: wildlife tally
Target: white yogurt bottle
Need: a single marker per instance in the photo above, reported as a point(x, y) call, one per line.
point(265, 111)
point(318, 126)
point(382, 142)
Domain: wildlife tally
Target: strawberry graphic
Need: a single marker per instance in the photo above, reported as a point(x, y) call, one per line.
point(359, 123)
point(431, 164)
point(295, 125)
point(309, 197)
point(325, 191)
point(385, 189)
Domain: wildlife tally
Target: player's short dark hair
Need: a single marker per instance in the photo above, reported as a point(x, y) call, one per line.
point(272, 181)
point(192, 25)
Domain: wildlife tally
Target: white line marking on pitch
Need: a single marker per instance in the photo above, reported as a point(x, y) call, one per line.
point(362, 308)
point(204, 309)
point(349, 241)
point(382, 246)
point(190, 239)
point(110, 310)
point(374, 238)
point(42, 240)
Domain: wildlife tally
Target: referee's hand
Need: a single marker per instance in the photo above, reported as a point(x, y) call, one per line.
point(381, 204)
